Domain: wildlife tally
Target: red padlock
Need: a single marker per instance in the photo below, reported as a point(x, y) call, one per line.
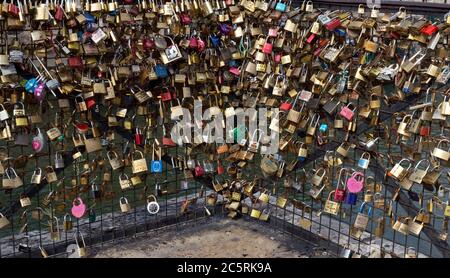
point(333, 24)
point(90, 103)
point(13, 10)
point(311, 38)
point(185, 19)
point(339, 194)
point(220, 169)
point(148, 44)
point(286, 106)
point(425, 130)
point(59, 14)
point(199, 171)
point(348, 113)
point(138, 137)
point(166, 95)
point(75, 62)
point(429, 29)
point(267, 47)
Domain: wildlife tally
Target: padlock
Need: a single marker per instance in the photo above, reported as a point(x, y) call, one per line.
point(81, 246)
point(331, 207)
point(398, 171)
point(339, 193)
point(139, 165)
point(375, 102)
point(11, 180)
point(311, 130)
point(439, 152)
point(114, 160)
point(348, 113)
point(445, 108)
point(152, 205)
point(364, 160)
point(318, 177)
point(402, 127)
point(418, 174)
point(302, 152)
point(124, 205)
point(80, 104)
point(78, 208)
point(3, 113)
point(124, 182)
point(368, 196)
point(37, 176)
point(59, 161)
point(50, 174)
point(68, 223)
point(362, 219)
point(343, 148)
point(355, 183)
point(25, 201)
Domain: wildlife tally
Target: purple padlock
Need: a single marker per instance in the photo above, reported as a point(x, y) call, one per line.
point(39, 92)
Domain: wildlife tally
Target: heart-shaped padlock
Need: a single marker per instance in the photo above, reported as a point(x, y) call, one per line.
point(78, 210)
point(38, 142)
point(356, 182)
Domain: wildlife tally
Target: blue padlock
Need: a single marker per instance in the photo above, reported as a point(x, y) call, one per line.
point(232, 63)
point(351, 198)
point(340, 32)
point(215, 40)
point(30, 85)
point(323, 128)
point(89, 17)
point(161, 71)
point(281, 7)
point(91, 27)
point(156, 166)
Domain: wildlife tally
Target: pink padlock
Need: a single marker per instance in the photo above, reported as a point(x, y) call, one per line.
point(193, 42)
point(356, 182)
point(78, 210)
point(235, 71)
point(348, 113)
point(273, 32)
point(201, 45)
point(311, 38)
point(277, 58)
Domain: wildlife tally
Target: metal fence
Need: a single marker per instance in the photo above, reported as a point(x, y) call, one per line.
point(184, 199)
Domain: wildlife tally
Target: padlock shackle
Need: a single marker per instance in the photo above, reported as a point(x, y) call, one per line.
point(67, 217)
point(82, 239)
point(77, 199)
point(151, 196)
point(361, 208)
point(421, 161)
point(407, 160)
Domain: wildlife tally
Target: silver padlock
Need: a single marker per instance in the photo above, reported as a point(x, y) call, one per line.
point(3, 113)
point(59, 161)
